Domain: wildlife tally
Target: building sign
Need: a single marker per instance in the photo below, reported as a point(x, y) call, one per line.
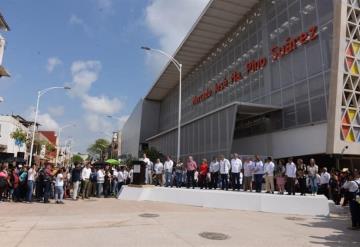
point(277, 52)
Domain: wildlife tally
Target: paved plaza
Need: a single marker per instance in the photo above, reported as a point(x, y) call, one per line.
point(111, 222)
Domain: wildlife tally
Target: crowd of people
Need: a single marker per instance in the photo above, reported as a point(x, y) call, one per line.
point(21, 183)
point(252, 173)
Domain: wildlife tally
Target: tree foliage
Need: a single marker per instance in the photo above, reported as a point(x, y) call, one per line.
point(99, 147)
point(19, 135)
point(153, 154)
point(76, 159)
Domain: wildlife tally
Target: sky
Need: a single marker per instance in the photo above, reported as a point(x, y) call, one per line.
point(93, 46)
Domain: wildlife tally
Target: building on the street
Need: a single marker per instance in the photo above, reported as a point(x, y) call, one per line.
point(3, 27)
point(9, 147)
point(115, 145)
point(273, 77)
point(50, 140)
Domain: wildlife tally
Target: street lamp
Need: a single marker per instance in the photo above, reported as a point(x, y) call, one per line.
point(58, 137)
point(39, 94)
point(178, 65)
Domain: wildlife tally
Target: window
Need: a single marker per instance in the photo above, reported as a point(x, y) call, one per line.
point(288, 96)
point(299, 68)
point(301, 91)
point(303, 112)
point(289, 116)
point(316, 86)
point(318, 109)
point(313, 53)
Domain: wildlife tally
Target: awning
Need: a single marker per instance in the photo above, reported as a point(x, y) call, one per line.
point(252, 109)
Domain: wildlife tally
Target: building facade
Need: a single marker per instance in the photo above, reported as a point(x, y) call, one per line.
point(279, 78)
point(9, 147)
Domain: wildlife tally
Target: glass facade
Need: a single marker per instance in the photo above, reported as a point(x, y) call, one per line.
point(298, 82)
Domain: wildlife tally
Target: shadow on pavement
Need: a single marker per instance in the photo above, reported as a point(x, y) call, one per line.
point(342, 235)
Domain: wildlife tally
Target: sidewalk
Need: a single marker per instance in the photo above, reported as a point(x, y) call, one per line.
point(111, 222)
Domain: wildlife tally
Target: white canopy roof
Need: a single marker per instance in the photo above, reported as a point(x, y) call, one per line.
point(217, 21)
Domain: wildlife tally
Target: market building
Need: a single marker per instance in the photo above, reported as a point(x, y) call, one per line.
point(275, 77)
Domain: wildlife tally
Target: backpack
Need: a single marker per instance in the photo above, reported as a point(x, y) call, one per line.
point(23, 177)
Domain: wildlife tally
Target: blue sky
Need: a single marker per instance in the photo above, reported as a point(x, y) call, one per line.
point(92, 46)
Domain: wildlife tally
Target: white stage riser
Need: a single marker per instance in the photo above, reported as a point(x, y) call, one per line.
point(300, 205)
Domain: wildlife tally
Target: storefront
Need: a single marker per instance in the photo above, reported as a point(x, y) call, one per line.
point(277, 78)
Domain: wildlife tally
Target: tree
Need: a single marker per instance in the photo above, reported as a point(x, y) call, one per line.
point(153, 154)
point(99, 148)
point(76, 159)
point(19, 136)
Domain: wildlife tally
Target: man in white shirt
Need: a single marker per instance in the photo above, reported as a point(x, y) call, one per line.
point(159, 169)
point(324, 182)
point(120, 179)
point(224, 172)
point(30, 183)
point(100, 178)
point(352, 187)
point(214, 169)
point(148, 170)
point(85, 176)
point(258, 173)
point(290, 174)
point(236, 166)
point(168, 168)
point(269, 167)
point(114, 181)
point(126, 176)
point(248, 174)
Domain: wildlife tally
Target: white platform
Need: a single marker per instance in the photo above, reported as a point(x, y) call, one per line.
point(272, 203)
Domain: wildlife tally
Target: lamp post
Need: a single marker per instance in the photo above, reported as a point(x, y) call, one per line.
point(58, 137)
point(39, 94)
point(178, 65)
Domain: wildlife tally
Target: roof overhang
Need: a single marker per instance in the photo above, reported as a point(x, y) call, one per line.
point(251, 109)
point(245, 109)
point(3, 24)
point(218, 20)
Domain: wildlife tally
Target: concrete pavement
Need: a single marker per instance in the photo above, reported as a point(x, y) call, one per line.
point(111, 222)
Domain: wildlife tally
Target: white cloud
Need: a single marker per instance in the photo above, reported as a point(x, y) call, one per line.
point(97, 123)
point(52, 63)
point(47, 122)
point(56, 110)
point(122, 120)
point(84, 74)
point(105, 4)
point(101, 105)
point(44, 119)
point(77, 21)
point(170, 21)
